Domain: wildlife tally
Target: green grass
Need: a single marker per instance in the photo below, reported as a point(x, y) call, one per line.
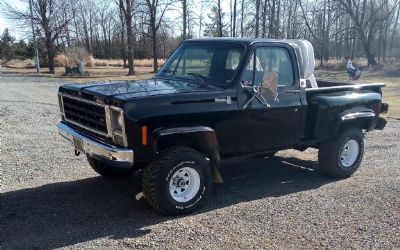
point(391, 93)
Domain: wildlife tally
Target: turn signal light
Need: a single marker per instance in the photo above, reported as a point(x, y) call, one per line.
point(144, 135)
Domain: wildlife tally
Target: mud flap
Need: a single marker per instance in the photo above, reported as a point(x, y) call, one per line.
point(381, 124)
point(215, 174)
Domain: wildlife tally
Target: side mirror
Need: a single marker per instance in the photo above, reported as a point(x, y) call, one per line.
point(269, 84)
point(267, 89)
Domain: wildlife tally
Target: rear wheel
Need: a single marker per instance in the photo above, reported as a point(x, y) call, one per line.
point(340, 157)
point(178, 181)
point(107, 170)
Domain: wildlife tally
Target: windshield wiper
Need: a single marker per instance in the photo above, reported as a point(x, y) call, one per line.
point(172, 72)
point(198, 76)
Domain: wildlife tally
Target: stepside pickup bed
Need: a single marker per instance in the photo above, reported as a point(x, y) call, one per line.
point(212, 99)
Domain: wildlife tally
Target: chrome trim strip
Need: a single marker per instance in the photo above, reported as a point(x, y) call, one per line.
point(97, 148)
point(87, 128)
point(82, 100)
point(354, 115)
point(346, 87)
point(184, 130)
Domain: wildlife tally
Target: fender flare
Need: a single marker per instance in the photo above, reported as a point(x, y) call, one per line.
point(204, 137)
point(363, 118)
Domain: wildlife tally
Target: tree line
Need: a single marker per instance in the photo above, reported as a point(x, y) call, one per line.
point(129, 29)
point(12, 49)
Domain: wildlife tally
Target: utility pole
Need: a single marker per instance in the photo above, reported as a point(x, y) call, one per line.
point(37, 65)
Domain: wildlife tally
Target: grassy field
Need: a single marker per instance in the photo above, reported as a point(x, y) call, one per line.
point(94, 73)
point(391, 93)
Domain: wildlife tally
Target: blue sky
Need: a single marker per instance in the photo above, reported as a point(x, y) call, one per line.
point(15, 30)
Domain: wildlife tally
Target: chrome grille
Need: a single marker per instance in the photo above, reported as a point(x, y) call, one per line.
point(87, 114)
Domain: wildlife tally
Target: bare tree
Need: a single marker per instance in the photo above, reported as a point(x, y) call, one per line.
point(203, 6)
point(366, 14)
point(122, 38)
point(155, 7)
point(220, 33)
point(234, 18)
point(47, 16)
point(126, 8)
point(264, 18)
point(242, 20)
point(272, 19)
point(106, 20)
point(396, 23)
point(257, 17)
point(184, 18)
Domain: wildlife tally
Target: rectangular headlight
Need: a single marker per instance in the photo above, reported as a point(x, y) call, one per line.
point(117, 120)
point(117, 126)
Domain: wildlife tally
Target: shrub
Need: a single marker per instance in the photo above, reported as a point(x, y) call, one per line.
point(90, 61)
point(62, 60)
point(120, 63)
point(73, 56)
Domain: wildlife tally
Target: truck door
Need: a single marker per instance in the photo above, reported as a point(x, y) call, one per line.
point(280, 124)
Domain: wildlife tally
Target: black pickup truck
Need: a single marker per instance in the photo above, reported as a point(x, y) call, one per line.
point(212, 99)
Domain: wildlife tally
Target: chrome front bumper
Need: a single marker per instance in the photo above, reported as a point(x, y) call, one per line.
point(97, 149)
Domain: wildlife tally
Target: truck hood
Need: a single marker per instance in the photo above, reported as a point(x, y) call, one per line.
point(124, 90)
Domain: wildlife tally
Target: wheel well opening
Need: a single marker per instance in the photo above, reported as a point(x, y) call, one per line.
point(363, 124)
point(176, 140)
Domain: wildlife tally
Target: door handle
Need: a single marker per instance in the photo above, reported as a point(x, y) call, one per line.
point(293, 91)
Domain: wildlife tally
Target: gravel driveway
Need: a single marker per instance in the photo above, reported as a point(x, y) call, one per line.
point(52, 199)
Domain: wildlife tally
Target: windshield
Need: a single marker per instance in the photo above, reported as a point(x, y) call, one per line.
point(204, 63)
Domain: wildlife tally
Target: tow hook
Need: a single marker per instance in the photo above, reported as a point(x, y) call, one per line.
point(77, 153)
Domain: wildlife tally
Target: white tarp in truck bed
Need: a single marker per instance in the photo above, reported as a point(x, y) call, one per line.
point(307, 59)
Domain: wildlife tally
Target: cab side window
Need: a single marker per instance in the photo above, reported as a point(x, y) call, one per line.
point(271, 59)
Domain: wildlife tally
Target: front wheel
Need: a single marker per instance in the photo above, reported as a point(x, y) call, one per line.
point(340, 157)
point(178, 181)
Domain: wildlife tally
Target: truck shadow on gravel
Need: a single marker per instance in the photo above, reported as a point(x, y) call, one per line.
point(61, 214)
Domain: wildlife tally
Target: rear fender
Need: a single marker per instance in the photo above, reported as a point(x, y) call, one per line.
point(333, 108)
point(362, 118)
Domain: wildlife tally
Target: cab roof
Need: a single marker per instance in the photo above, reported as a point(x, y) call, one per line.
point(245, 40)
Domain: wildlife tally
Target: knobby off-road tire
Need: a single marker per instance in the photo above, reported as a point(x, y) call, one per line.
point(340, 157)
point(178, 181)
point(108, 171)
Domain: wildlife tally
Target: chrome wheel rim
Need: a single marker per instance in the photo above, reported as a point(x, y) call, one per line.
point(184, 184)
point(349, 153)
